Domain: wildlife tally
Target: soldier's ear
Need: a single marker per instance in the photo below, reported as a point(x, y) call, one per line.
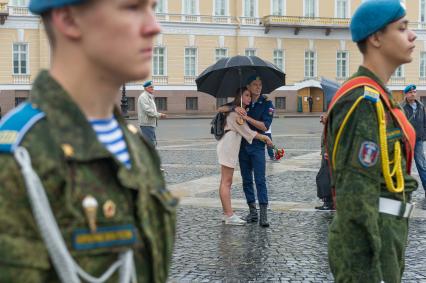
point(375, 39)
point(65, 22)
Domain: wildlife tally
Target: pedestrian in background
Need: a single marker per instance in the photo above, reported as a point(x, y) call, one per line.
point(415, 112)
point(228, 149)
point(323, 179)
point(370, 145)
point(82, 196)
point(310, 103)
point(147, 113)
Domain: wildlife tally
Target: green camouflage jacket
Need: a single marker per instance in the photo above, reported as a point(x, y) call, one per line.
point(72, 164)
point(364, 245)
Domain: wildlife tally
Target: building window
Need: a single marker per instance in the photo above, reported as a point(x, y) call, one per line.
point(221, 53)
point(423, 64)
point(280, 103)
point(279, 58)
point(250, 52)
point(342, 64)
point(309, 64)
point(159, 62)
point(278, 7)
point(161, 103)
point(192, 103)
point(422, 11)
point(250, 8)
point(20, 59)
point(310, 8)
point(19, 3)
point(190, 7)
point(19, 100)
point(341, 9)
point(220, 101)
point(161, 7)
point(220, 7)
point(131, 103)
point(399, 72)
point(190, 61)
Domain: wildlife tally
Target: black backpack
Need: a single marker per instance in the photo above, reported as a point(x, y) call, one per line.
point(218, 125)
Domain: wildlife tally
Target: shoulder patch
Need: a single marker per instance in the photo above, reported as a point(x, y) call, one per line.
point(371, 94)
point(16, 124)
point(368, 154)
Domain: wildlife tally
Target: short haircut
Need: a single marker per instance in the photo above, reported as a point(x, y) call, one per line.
point(47, 22)
point(362, 45)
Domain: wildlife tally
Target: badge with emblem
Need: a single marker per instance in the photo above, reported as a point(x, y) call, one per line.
point(109, 209)
point(271, 111)
point(368, 154)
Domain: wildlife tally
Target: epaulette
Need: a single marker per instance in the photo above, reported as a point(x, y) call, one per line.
point(16, 124)
point(371, 94)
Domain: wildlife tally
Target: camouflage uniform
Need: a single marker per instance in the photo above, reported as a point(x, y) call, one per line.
point(86, 167)
point(364, 245)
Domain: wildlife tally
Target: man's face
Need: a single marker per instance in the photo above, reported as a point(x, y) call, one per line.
point(150, 89)
point(117, 36)
point(397, 42)
point(411, 96)
point(255, 87)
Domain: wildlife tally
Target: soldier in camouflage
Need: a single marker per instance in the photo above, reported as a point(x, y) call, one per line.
point(108, 200)
point(368, 235)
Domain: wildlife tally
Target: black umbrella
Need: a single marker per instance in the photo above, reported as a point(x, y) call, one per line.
point(224, 77)
point(330, 88)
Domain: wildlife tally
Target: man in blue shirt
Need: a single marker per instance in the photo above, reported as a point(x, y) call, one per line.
point(252, 156)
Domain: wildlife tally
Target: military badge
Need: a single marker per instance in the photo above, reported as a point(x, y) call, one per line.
point(90, 206)
point(371, 94)
point(368, 154)
point(109, 209)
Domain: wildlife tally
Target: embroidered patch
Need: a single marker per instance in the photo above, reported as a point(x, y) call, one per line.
point(8, 137)
point(371, 94)
point(368, 154)
point(271, 111)
point(104, 237)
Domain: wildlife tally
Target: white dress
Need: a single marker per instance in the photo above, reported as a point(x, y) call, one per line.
point(229, 145)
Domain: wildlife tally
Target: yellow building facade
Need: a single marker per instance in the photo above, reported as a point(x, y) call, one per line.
point(307, 39)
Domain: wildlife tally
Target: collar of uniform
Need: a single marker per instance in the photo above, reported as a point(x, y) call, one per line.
point(259, 100)
point(69, 126)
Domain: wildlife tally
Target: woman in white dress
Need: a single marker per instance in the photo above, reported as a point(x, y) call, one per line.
point(228, 147)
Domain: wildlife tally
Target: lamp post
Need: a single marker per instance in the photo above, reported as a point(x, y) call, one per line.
point(124, 103)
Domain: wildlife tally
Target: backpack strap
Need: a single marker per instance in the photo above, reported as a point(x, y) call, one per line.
point(16, 124)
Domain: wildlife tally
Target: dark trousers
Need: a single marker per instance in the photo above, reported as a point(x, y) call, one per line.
point(270, 149)
point(323, 181)
point(252, 162)
point(149, 134)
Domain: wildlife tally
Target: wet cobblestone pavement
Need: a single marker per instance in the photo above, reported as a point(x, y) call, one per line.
point(294, 248)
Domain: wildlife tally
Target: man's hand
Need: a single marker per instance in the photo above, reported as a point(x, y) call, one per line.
point(241, 111)
point(162, 115)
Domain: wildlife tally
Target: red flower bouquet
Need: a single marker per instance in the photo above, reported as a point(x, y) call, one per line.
point(278, 153)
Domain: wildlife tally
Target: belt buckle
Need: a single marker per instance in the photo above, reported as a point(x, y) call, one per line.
point(411, 210)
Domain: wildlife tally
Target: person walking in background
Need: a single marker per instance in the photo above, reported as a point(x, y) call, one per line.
point(415, 112)
point(310, 103)
point(82, 196)
point(323, 180)
point(147, 113)
point(228, 149)
point(370, 145)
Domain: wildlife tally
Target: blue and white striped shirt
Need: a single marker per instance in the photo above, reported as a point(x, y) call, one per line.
point(111, 136)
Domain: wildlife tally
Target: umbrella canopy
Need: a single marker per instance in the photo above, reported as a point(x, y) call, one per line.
point(223, 78)
point(330, 88)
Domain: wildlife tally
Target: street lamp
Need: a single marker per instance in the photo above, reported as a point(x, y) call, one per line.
point(124, 103)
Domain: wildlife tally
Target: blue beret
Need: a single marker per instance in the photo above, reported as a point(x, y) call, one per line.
point(40, 6)
point(373, 15)
point(409, 88)
point(147, 84)
point(252, 78)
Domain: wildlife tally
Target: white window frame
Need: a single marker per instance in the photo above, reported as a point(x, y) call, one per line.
point(27, 58)
point(422, 10)
point(165, 6)
point(346, 67)
point(196, 62)
point(422, 54)
point(250, 50)
point(282, 58)
point(316, 8)
point(197, 8)
point(164, 61)
point(256, 9)
point(348, 9)
point(314, 64)
point(401, 70)
point(226, 9)
point(216, 58)
point(284, 3)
